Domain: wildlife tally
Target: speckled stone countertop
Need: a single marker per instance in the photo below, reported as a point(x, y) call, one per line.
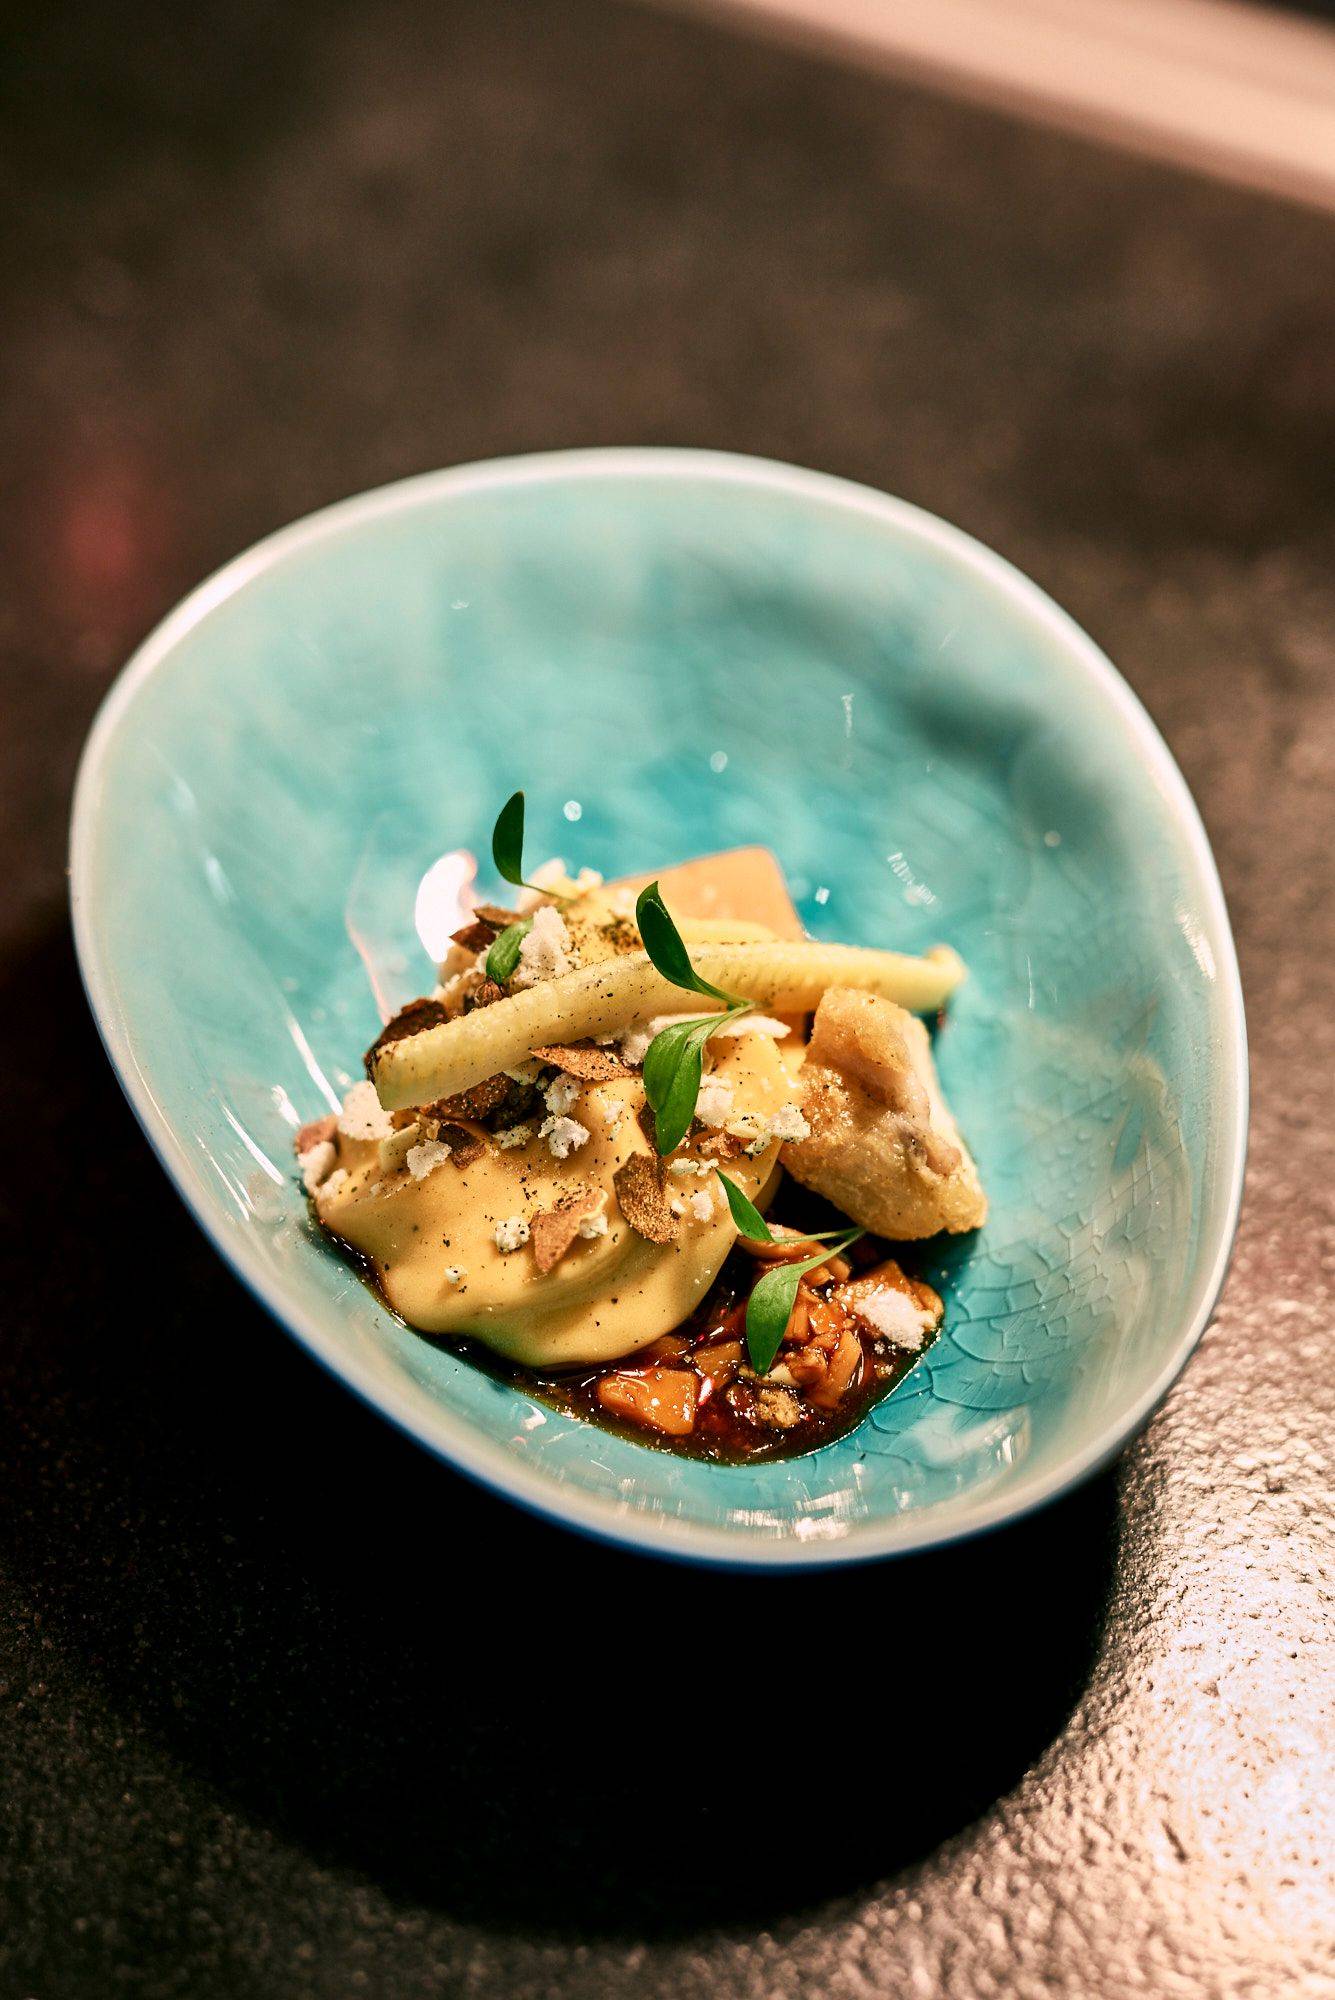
point(285, 1709)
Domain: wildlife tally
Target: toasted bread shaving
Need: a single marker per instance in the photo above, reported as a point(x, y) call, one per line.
point(477, 936)
point(554, 1230)
point(477, 1102)
point(642, 1193)
point(582, 1059)
point(492, 913)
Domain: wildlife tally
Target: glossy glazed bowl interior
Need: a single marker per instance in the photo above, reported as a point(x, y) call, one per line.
point(675, 652)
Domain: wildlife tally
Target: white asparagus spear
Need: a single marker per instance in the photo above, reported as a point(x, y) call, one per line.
point(782, 977)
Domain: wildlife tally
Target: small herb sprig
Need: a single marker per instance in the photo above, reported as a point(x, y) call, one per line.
point(674, 1059)
point(770, 1306)
point(507, 853)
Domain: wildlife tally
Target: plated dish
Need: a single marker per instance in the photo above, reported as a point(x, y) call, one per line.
point(683, 654)
point(685, 1224)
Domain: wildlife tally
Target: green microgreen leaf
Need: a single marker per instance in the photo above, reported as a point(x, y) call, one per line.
point(507, 841)
point(673, 1070)
point(504, 954)
point(770, 1305)
point(662, 940)
point(753, 1226)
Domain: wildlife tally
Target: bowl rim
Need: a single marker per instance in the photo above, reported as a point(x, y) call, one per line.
point(490, 1462)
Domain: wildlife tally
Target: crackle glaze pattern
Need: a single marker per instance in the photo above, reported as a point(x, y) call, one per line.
point(675, 653)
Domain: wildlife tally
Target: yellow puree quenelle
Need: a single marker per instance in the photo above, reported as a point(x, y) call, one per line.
point(609, 1294)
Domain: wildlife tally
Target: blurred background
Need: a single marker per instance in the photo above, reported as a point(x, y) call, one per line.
point(272, 1718)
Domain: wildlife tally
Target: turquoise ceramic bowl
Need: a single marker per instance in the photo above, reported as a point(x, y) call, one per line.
point(677, 651)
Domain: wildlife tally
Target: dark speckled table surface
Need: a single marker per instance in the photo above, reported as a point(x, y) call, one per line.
point(284, 1708)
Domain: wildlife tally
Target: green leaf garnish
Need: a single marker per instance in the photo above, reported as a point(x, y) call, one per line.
point(673, 1069)
point(753, 1226)
point(674, 1060)
point(770, 1305)
point(507, 841)
point(662, 940)
point(504, 954)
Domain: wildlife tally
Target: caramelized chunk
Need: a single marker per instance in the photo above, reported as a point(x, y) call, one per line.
point(662, 1399)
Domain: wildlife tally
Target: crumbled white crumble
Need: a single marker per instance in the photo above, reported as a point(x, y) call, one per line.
point(317, 1163)
point(752, 1024)
point(362, 1116)
point(788, 1123)
point(714, 1102)
point(897, 1316)
point(562, 1095)
point(423, 1159)
point(702, 1205)
point(545, 952)
point(688, 1167)
point(564, 1136)
point(454, 1272)
point(511, 1233)
point(513, 1135)
point(331, 1189)
point(677, 1205)
point(633, 1042)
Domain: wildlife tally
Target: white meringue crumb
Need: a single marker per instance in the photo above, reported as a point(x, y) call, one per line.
point(892, 1313)
point(564, 1136)
point(545, 952)
point(425, 1158)
point(511, 1233)
point(562, 1095)
point(714, 1102)
point(316, 1164)
point(362, 1116)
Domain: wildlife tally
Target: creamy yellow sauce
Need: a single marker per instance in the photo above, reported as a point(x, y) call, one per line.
point(609, 1294)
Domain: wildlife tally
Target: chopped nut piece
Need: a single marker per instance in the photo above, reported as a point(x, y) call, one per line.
point(475, 1102)
point(555, 1230)
point(465, 1146)
point(485, 995)
point(642, 1194)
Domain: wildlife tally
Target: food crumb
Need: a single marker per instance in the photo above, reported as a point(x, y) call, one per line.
point(362, 1116)
point(511, 1233)
point(514, 1135)
point(424, 1159)
point(564, 1136)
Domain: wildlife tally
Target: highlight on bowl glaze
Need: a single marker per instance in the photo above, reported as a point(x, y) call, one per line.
point(678, 651)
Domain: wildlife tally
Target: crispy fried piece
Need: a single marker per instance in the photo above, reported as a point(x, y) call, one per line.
point(554, 1230)
point(883, 1146)
point(477, 1102)
point(477, 936)
point(582, 1059)
point(641, 1190)
point(317, 1133)
point(465, 1146)
point(409, 1020)
point(492, 913)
